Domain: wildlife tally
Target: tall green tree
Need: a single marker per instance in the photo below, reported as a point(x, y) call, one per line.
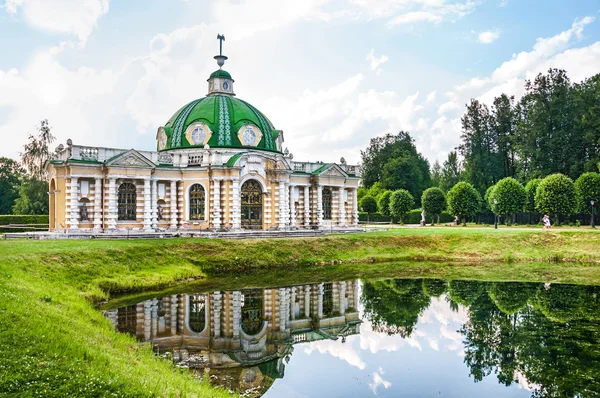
point(548, 139)
point(503, 123)
point(587, 104)
point(11, 174)
point(393, 161)
point(478, 147)
point(33, 197)
point(436, 174)
point(556, 196)
point(463, 201)
point(451, 172)
point(383, 203)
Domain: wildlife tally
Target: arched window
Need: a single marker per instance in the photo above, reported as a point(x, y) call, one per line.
point(252, 311)
point(197, 202)
point(127, 201)
point(197, 313)
point(327, 199)
point(327, 299)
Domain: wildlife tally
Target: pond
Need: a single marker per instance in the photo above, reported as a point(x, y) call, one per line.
point(390, 338)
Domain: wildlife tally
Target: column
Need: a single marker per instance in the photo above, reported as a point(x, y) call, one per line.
point(236, 211)
point(293, 303)
point(283, 307)
point(112, 203)
point(237, 313)
point(173, 309)
point(74, 203)
point(307, 301)
point(216, 211)
point(355, 206)
point(342, 207)
point(319, 206)
point(342, 290)
point(173, 204)
point(147, 319)
point(98, 203)
point(320, 301)
point(147, 208)
point(307, 207)
point(292, 206)
point(153, 207)
point(217, 305)
point(282, 205)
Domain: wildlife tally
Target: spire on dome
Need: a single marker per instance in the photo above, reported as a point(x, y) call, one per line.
point(220, 58)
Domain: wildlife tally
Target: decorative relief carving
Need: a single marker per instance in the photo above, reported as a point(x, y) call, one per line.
point(165, 158)
point(333, 172)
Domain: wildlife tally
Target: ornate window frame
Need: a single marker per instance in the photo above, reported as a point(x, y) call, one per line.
point(187, 202)
point(188, 312)
point(127, 201)
point(327, 203)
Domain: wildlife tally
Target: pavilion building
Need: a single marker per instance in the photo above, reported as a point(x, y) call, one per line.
point(219, 165)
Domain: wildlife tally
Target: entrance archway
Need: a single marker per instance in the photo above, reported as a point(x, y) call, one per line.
point(251, 205)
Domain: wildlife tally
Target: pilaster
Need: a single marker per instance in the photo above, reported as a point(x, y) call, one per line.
point(355, 206)
point(307, 207)
point(216, 211)
point(319, 206)
point(112, 203)
point(292, 206)
point(74, 203)
point(236, 211)
point(173, 204)
point(147, 207)
point(153, 207)
point(98, 203)
point(341, 207)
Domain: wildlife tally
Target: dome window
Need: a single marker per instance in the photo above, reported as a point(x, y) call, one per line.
point(249, 135)
point(198, 134)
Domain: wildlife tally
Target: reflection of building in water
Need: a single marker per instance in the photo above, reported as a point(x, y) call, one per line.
point(251, 330)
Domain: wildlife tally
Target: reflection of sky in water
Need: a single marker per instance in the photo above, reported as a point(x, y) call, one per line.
point(427, 364)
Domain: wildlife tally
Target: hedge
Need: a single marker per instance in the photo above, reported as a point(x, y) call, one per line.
point(412, 217)
point(23, 219)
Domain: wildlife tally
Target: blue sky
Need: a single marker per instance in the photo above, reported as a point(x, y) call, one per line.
point(330, 73)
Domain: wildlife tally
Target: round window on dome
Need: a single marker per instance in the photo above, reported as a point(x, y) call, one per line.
point(249, 135)
point(198, 134)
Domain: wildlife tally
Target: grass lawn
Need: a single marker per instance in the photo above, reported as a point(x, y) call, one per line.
point(53, 342)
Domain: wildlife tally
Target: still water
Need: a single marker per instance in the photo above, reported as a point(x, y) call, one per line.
point(389, 338)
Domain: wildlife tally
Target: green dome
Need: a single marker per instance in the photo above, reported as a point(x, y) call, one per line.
point(220, 73)
point(224, 115)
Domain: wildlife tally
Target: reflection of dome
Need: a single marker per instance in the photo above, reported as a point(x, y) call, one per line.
point(219, 120)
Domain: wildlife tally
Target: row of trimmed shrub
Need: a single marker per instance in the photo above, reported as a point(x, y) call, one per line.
point(412, 217)
point(9, 219)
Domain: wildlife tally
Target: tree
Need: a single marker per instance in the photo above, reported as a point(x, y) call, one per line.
point(401, 202)
point(588, 189)
point(433, 202)
point(503, 123)
point(451, 173)
point(33, 197)
point(478, 147)
point(393, 161)
point(530, 190)
point(436, 174)
point(463, 201)
point(37, 151)
point(487, 199)
point(586, 97)
point(508, 197)
point(383, 203)
point(10, 180)
point(375, 190)
point(368, 204)
point(556, 196)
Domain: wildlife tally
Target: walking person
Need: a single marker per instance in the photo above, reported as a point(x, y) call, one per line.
point(546, 221)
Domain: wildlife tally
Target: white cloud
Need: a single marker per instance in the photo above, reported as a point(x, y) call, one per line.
point(379, 381)
point(375, 62)
point(431, 97)
point(337, 349)
point(78, 18)
point(489, 36)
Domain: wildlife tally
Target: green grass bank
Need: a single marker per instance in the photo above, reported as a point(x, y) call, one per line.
point(53, 342)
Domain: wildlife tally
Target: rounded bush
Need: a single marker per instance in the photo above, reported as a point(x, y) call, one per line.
point(555, 195)
point(588, 189)
point(383, 204)
point(530, 190)
point(368, 204)
point(509, 196)
point(401, 202)
point(433, 201)
point(463, 200)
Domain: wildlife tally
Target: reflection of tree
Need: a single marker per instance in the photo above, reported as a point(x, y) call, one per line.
point(434, 287)
point(510, 297)
point(554, 342)
point(393, 306)
point(465, 292)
